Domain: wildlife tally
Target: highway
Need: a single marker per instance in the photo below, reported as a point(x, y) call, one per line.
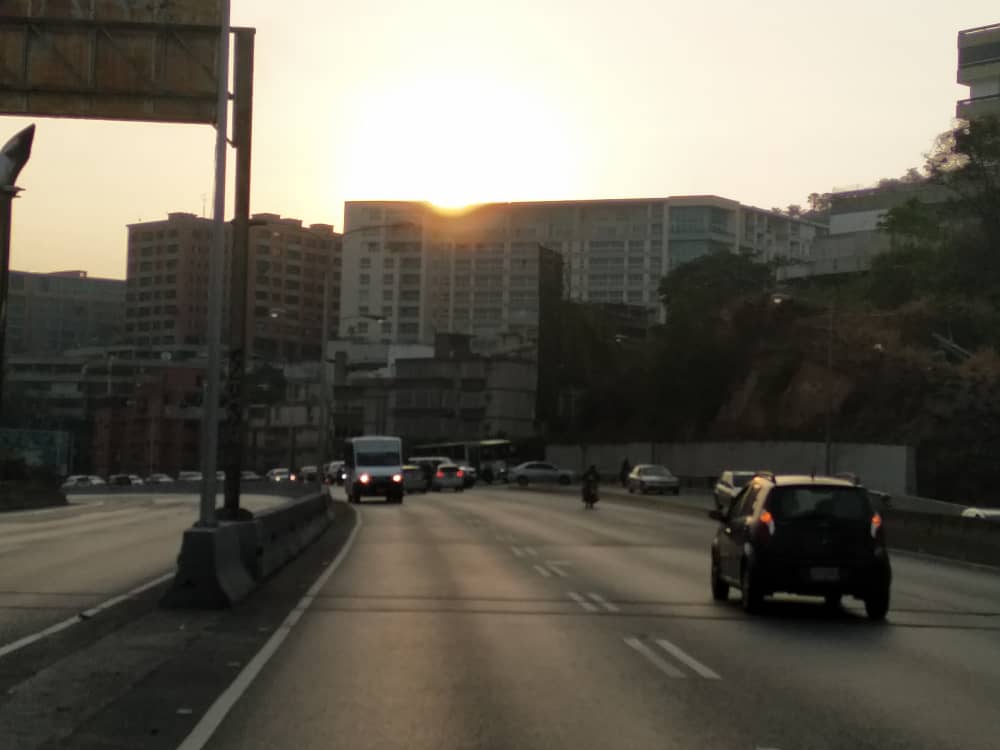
point(505, 618)
point(59, 562)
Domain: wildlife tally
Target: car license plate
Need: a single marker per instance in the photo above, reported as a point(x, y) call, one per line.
point(823, 575)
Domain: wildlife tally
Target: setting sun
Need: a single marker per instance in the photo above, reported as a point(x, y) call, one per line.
point(454, 140)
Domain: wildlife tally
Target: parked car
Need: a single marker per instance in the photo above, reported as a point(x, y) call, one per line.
point(124, 480)
point(817, 536)
point(729, 485)
point(335, 472)
point(83, 480)
point(653, 478)
point(413, 479)
point(159, 479)
point(539, 472)
point(307, 474)
point(189, 476)
point(983, 514)
point(279, 475)
point(250, 476)
point(448, 476)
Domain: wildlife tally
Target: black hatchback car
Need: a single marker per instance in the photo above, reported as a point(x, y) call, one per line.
point(817, 536)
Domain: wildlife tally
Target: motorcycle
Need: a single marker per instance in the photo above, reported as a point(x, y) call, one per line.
point(590, 496)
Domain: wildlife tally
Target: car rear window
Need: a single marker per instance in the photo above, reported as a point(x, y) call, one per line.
point(655, 471)
point(818, 502)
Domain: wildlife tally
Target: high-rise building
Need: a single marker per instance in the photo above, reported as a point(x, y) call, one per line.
point(166, 304)
point(979, 69)
point(412, 271)
point(49, 313)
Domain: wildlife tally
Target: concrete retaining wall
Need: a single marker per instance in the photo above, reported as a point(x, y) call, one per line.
point(968, 539)
point(889, 468)
point(283, 532)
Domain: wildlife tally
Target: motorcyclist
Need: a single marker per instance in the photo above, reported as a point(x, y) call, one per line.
point(591, 478)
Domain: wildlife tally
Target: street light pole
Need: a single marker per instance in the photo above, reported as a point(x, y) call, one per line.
point(828, 453)
point(324, 381)
point(13, 157)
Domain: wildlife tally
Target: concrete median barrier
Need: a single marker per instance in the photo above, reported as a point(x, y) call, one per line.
point(968, 539)
point(219, 566)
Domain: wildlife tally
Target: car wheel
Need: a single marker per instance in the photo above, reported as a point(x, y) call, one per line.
point(877, 604)
point(720, 589)
point(832, 600)
point(522, 481)
point(677, 491)
point(750, 593)
point(564, 480)
point(642, 488)
point(631, 488)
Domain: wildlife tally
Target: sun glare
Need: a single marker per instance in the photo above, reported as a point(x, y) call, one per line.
point(455, 141)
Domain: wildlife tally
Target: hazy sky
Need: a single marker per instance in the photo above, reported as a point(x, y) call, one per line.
point(459, 102)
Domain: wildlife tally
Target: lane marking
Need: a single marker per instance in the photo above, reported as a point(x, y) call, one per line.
point(217, 712)
point(556, 566)
point(531, 551)
point(582, 602)
point(604, 602)
point(668, 669)
point(85, 615)
point(518, 552)
point(685, 658)
point(544, 572)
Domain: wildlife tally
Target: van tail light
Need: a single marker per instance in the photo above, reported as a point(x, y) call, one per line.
point(460, 474)
point(876, 525)
point(766, 525)
point(440, 475)
point(365, 478)
point(397, 478)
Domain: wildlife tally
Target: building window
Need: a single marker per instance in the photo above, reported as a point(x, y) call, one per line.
point(364, 279)
point(387, 278)
point(387, 295)
point(366, 262)
point(389, 263)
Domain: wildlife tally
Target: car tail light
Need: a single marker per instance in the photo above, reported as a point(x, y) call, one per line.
point(440, 475)
point(292, 477)
point(365, 478)
point(876, 525)
point(460, 474)
point(397, 478)
point(766, 522)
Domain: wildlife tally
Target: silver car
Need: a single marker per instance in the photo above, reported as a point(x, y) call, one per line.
point(539, 472)
point(729, 485)
point(653, 478)
point(448, 477)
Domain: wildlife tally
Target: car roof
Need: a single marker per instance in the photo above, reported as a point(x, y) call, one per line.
point(801, 480)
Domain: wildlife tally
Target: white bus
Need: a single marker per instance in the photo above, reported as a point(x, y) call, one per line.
point(373, 467)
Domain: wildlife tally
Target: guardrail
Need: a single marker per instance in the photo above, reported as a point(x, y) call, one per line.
point(968, 539)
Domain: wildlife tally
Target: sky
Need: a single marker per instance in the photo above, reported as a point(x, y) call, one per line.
point(463, 102)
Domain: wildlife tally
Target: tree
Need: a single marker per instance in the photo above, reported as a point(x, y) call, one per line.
point(694, 293)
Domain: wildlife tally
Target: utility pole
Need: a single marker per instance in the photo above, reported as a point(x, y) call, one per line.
point(13, 156)
point(210, 404)
point(235, 424)
point(829, 389)
point(324, 379)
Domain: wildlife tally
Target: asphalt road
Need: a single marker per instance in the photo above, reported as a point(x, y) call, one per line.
point(502, 618)
point(58, 562)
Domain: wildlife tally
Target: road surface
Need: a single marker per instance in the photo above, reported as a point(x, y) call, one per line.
point(504, 618)
point(58, 562)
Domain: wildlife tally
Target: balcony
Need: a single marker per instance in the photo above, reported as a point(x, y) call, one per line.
point(978, 54)
point(969, 109)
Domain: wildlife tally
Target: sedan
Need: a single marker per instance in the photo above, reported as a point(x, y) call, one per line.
point(189, 476)
point(471, 475)
point(159, 479)
point(413, 479)
point(82, 480)
point(983, 514)
point(539, 472)
point(653, 478)
point(123, 480)
point(448, 477)
point(729, 485)
point(279, 475)
point(250, 476)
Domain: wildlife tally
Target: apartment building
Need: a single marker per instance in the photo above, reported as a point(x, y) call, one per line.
point(979, 69)
point(411, 271)
point(48, 313)
point(166, 303)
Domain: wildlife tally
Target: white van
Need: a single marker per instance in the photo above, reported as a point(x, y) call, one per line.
point(373, 467)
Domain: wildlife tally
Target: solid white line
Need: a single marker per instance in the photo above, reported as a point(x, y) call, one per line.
point(668, 669)
point(683, 657)
point(582, 602)
point(86, 614)
point(518, 552)
point(604, 602)
point(531, 551)
point(217, 712)
point(558, 571)
point(543, 572)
